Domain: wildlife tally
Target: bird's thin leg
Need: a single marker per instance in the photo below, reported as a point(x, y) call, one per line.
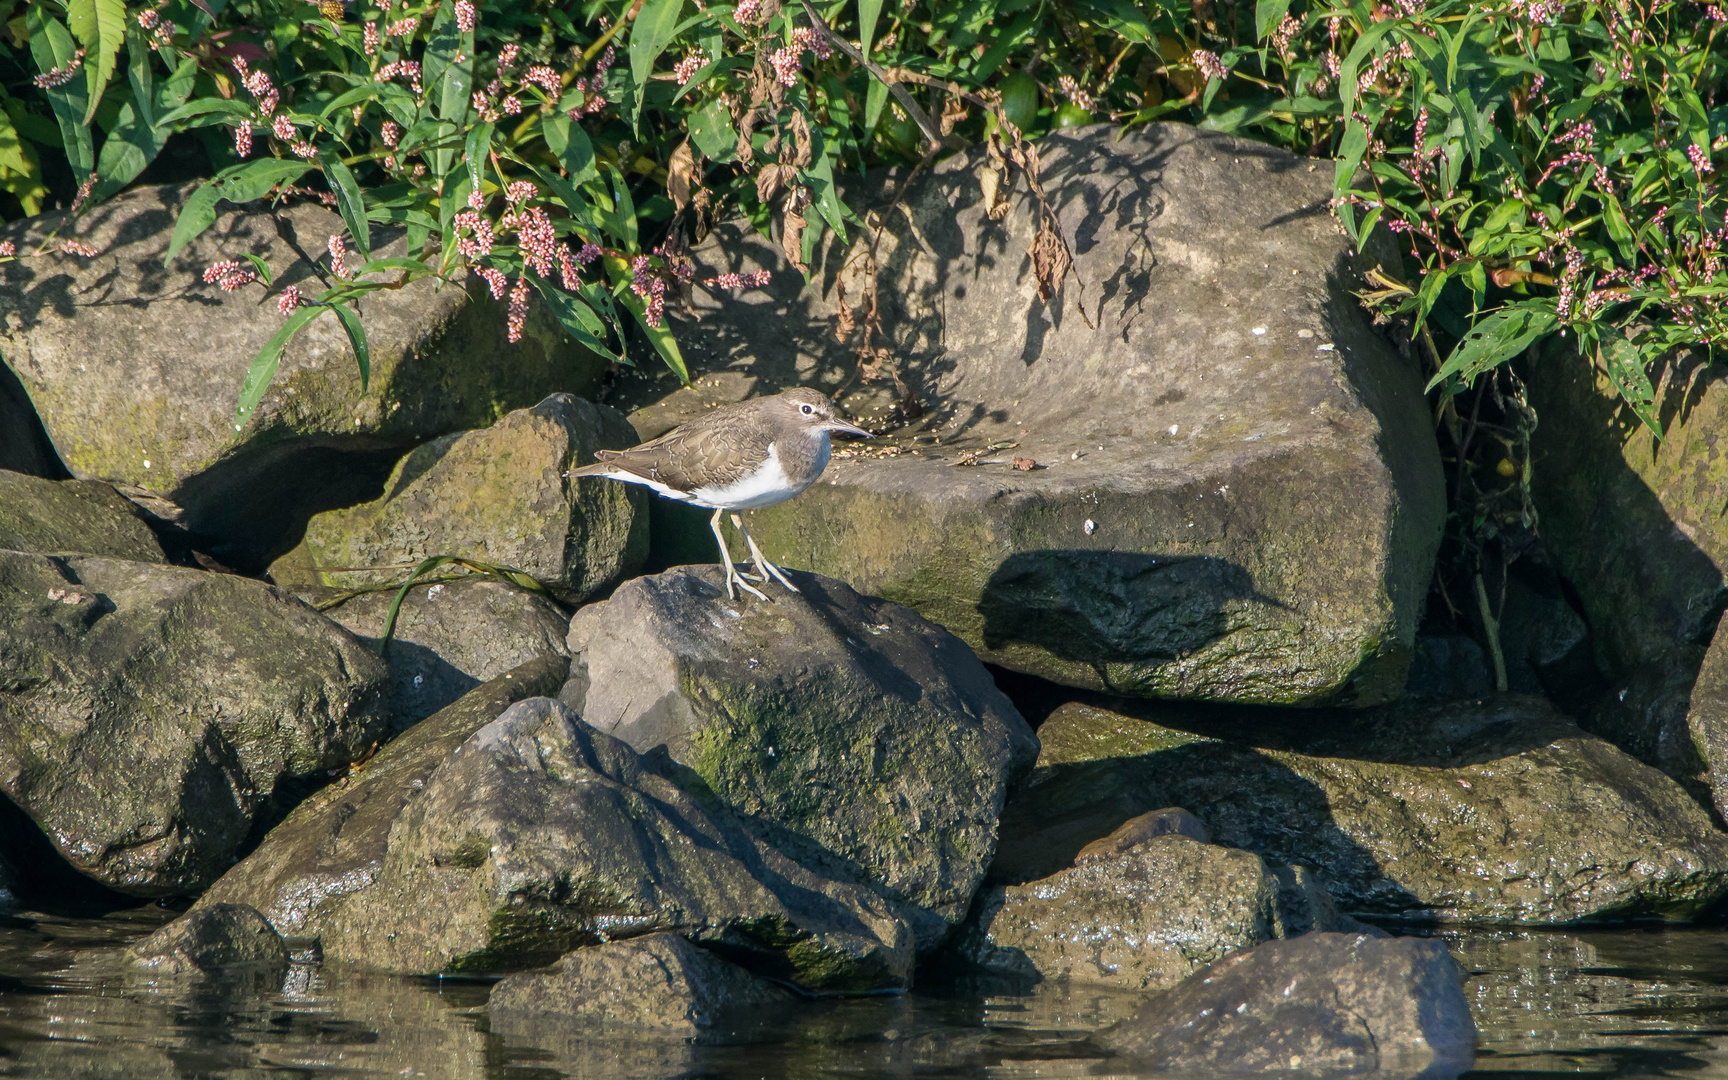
point(763, 566)
point(726, 560)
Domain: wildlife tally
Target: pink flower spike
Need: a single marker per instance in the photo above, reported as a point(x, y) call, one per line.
point(291, 299)
point(7, 249)
point(466, 16)
point(60, 76)
point(1208, 64)
point(372, 38)
point(495, 280)
point(518, 315)
point(338, 255)
point(243, 139)
point(229, 274)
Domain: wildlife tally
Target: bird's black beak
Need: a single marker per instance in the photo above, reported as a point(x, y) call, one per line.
point(840, 427)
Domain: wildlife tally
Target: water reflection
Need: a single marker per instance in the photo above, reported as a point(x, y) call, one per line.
point(1621, 1002)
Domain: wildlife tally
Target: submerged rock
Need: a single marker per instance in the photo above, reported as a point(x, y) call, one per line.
point(53, 517)
point(211, 939)
point(1487, 811)
point(135, 366)
point(537, 834)
point(1141, 919)
point(497, 495)
point(450, 638)
point(658, 983)
point(1322, 1004)
point(825, 718)
point(1235, 492)
point(150, 714)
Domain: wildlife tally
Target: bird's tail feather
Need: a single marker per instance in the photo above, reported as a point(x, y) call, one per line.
point(599, 468)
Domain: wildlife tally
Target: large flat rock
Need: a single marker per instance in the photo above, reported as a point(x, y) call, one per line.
point(151, 714)
point(1496, 811)
point(135, 367)
point(85, 516)
point(1237, 493)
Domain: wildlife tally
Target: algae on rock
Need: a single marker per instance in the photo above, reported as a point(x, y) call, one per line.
point(88, 517)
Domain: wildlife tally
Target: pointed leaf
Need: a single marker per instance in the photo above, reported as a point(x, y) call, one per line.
point(576, 317)
point(868, 12)
point(198, 214)
point(349, 202)
point(263, 368)
point(100, 26)
point(51, 46)
point(474, 152)
point(1495, 339)
point(1627, 371)
point(1267, 15)
point(357, 338)
point(656, 24)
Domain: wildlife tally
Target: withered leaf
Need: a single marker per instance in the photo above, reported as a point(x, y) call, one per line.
point(681, 175)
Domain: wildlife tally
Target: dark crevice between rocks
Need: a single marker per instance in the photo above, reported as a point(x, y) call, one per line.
point(24, 443)
point(42, 879)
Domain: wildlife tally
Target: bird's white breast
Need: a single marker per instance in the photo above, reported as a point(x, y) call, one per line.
point(766, 485)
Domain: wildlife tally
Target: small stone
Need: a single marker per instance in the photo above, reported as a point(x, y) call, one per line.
point(210, 939)
point(1025, 464)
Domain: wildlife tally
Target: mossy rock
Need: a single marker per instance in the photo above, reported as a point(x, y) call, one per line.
point(1488, 811)
point(84, 516)
point(151, 715)
point(497, 495)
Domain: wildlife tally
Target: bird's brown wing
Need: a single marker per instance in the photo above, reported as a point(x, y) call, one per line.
point(714, 449)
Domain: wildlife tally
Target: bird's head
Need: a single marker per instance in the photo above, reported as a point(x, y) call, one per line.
point(812, 410)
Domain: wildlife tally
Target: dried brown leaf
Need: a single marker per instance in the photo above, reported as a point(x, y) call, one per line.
point(953, 111)
point(1051, 261)
point(995, 193)
point(801, 136)
point(792, 237)
point(681, 175)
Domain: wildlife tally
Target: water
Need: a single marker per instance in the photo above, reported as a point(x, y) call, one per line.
point(1603, 1002)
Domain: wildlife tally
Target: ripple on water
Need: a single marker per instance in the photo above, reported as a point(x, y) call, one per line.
point(1616, 1002)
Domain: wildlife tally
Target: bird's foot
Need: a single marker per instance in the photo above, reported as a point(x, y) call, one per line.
point(764, 568)
point(733, 575)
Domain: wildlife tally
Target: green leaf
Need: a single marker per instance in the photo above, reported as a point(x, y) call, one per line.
point(259, 265)
point(202, 107)
point(570, 142)
point(263, 367)
point(711, 130)
point(349, 98)
point(1627, 371)
point(349, 202)
point(451, 79)
point(394, 262)
point(1267, 15)
point(100, 25)
point(135, 142)
point(656, 24)
point(1361, 51)
point(1619, 229)
point(576, 317)
point(51, 46)
point(875, 98)
point(1430, 290)
point(198, 214)
point(868, 12)
point(621, 221)
point(356, 338)
point(821, 170)
point(474, 152)
point(658, 336)
point(1495, 339)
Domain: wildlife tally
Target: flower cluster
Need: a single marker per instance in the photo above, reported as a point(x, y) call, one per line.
point(518, 314)
point(338, 255)
point(1700, 159)
point(230, 275)
point(371, 38)
point(258, 84)
point(1208, 64)
point(752, 279)
point(687, 68)
point(495, 280)
point(466, 16)
point(1076, 93)
point(60, 76)
point(481, 242)
point(407, 69)
point(290, 300)
point(8, 249)
point(403, 27)
point(651, 287)
point(747, 11)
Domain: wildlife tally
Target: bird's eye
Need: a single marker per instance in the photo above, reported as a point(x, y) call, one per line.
point(807, 410)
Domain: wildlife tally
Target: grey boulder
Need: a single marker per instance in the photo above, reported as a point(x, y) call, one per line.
point(211, 939)
point(450, 638)
point(1234, 491)
point(496, 495)
point(135, 367)
point(1318, 1005)
point(1494, 811)
point(537, 835)
point(829, 720)
point(52, 517)
point(150, 714)
point(659, 983)
point(1139, 919)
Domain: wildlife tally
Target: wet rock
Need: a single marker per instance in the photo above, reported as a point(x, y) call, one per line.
point(212, 939)
point(827, 719)
point(496, 495)
point(150, 714)
point(450, 638)
point(1141, 919)
point(1707, 719)
point(1305, 905)
point(86, 516)
point(1172, 820)
point(334, 842)
point(135, 366)
point(1635, 525)
point(1323, 1004)
point(533, 835)
point(1491, 811)
point(1238, 495)
point(660, 983)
